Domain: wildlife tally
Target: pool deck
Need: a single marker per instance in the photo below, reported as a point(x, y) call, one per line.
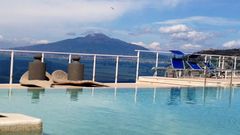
point(14, 123)
point(153, 82)
point(193, 81)
point(111, 85)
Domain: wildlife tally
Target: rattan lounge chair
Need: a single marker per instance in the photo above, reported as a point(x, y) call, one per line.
point(47, 83)
point(61, 78)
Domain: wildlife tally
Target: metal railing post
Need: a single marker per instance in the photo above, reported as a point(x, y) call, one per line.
point(42, 57)
point(70, 58)
point(155, 73)
point(235, 66)
point(116, 71)
point(223, 62)
point(205, 58)
point(231, 79)
point(205, 71)
point(223, 65)
point(11, 67)
point(219, 64)
point(94, 67)
point(137, 68)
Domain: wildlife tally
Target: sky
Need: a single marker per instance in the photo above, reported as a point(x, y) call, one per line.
point(188, 25)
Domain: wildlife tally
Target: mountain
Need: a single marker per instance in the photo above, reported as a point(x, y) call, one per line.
point(228, 52)
point(97, 43)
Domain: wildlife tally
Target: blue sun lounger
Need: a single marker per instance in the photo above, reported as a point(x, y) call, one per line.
point(178, 66)
point(195, 70)
point(194, 66)
point(192, 62)
point(211, 69)
point(209, 66)
point(177, 62)
point(177, 53)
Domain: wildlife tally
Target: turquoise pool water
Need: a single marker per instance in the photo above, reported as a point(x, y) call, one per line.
point(170, 111)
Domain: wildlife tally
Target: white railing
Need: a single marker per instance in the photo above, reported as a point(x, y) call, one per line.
point(221, 60)
point(117, 57)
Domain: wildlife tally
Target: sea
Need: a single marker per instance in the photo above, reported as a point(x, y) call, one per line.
point(105, 66)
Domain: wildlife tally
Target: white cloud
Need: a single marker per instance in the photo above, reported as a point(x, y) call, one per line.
point(191, 36)
point(39, 19)
point(1, 37)
point(174, 3)
point(202, 20)
point(139, 43)
point(77, 11)
point(17, 42)
point(154, 46)
point(189, 47)
point(151, 46)
point(232, 44)
point(40, 41)
point(174, 29)
point(184, 32)
point(163, 4)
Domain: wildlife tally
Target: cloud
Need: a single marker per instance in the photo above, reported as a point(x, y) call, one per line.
point(54, 19)
point(154, 46)
point(174, 3)
point(77, 11)
point(164, 4)
point(60, 10)
point(1, 37)
point(232, 44)
point(189, 47)
point(191, 36)
point(71, 34)
point(184, 33)
point(27, 41)
point(39, 42)
point(17, 42)
point(139, 43)
point(174, 29)
point(151, 46)
point(202, 20)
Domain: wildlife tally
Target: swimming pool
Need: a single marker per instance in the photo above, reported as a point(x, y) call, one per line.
point(142, 111)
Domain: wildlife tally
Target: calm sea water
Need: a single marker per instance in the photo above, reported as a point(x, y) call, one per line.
point(172, 111)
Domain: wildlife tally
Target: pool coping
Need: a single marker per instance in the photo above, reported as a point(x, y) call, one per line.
point(14, 122)
point(110, 85)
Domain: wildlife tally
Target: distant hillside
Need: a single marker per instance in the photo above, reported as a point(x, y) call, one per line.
point(92, 43)
point(229, 52)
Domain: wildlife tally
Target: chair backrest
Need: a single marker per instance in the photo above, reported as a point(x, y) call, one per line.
point(178, 63)
point(177, 53)
point(194, 65)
